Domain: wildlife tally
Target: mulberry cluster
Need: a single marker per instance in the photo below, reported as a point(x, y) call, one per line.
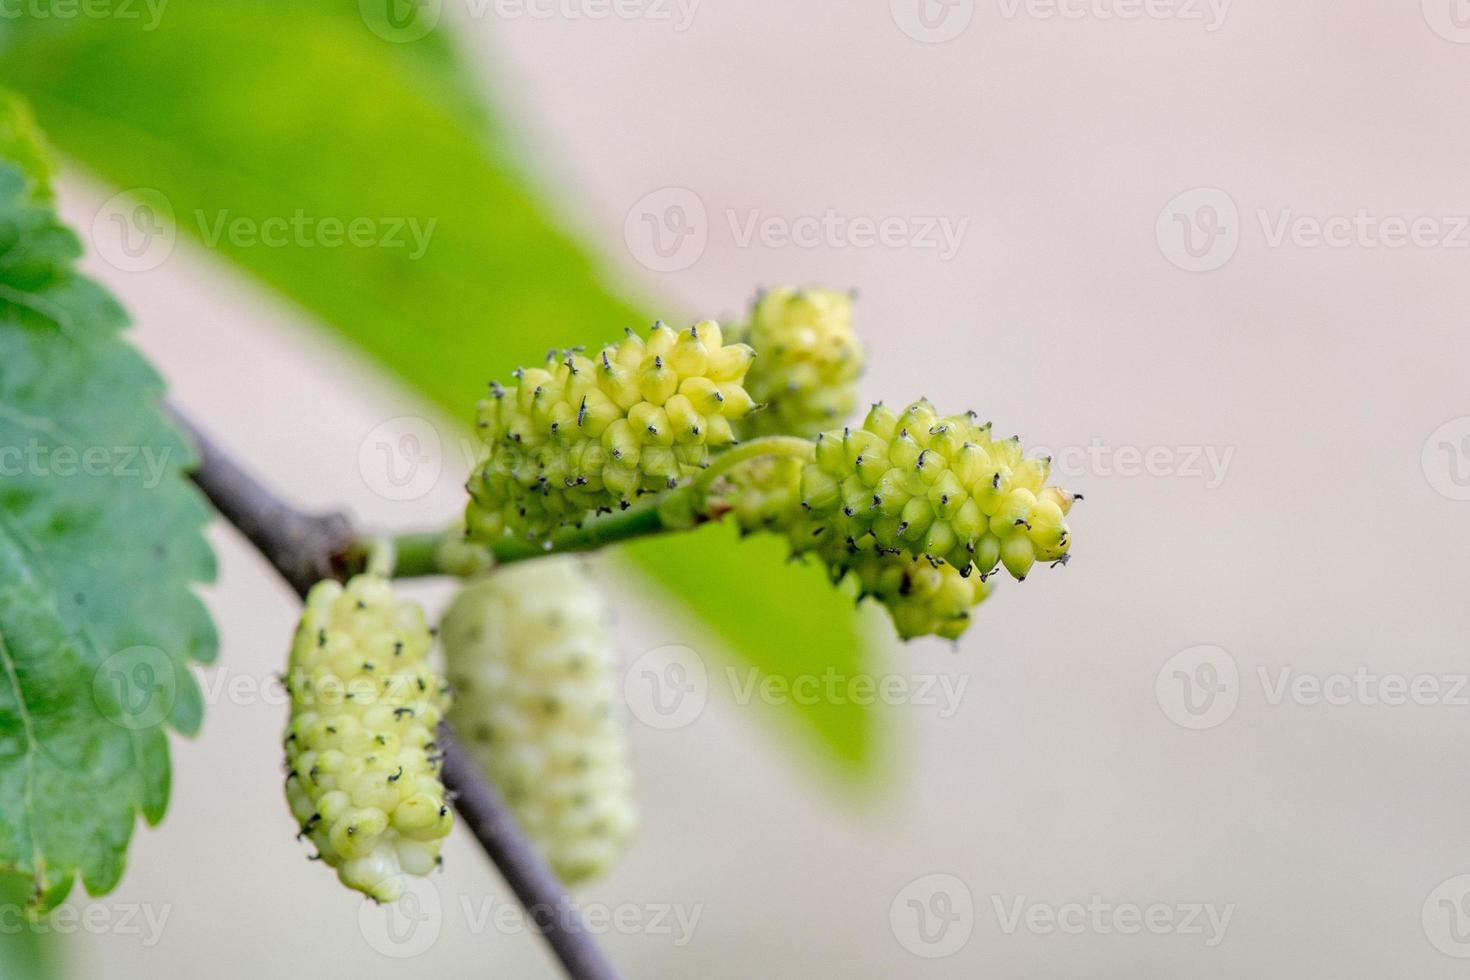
point(363, 766)
point(535, 676)
point(586, 434)
point(939, 488)
point(809, 363)
point(922, 597)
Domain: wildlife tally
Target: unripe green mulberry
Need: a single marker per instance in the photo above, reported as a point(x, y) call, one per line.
point(809, 363)
point(584, 434)
point(937, 487)
point(535, 677)
point(923, 597)
point(765, 493)
point(363, 765)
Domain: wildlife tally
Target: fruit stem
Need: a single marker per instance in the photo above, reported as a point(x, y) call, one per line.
point(420, 554)
point(638, 521)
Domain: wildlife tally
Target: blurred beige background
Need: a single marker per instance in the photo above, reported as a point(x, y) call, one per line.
point(1269, 424)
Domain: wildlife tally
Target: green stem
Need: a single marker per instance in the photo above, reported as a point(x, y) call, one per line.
point(635, 522)
point(419, 555)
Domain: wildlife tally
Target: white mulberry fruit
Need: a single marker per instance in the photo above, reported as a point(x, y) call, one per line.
point(535, 676)
point(586, 434)
point(809, 361)
point(363, 764)
point(940, 488)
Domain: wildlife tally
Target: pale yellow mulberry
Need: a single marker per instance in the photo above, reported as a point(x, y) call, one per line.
point(363, 764)
point(923, 597)
point(940, 488)
point(808, 364)
point(583, 434)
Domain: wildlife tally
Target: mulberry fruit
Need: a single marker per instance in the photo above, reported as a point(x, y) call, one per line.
point(586, 434)
point(939, 488)
point(765, 493)
point(363, 766)
point(535, 678)
point(923, 597)
point(809, 361)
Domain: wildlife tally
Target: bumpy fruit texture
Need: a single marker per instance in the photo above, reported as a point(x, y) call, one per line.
point(923, 597)
point(765, 494)
point(809, 361)
point(363, 766)
point(535, 676)
point(585, 434)
point(937, 487)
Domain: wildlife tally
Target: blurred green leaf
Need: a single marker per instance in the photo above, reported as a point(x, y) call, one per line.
point(264, 110)
point(22, 144)
point(786, 617)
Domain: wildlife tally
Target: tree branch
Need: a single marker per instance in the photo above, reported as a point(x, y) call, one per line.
point(306, 548)
point(303, 548)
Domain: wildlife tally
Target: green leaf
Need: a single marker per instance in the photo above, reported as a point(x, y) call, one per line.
point(99, 545)
point(264, 110)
